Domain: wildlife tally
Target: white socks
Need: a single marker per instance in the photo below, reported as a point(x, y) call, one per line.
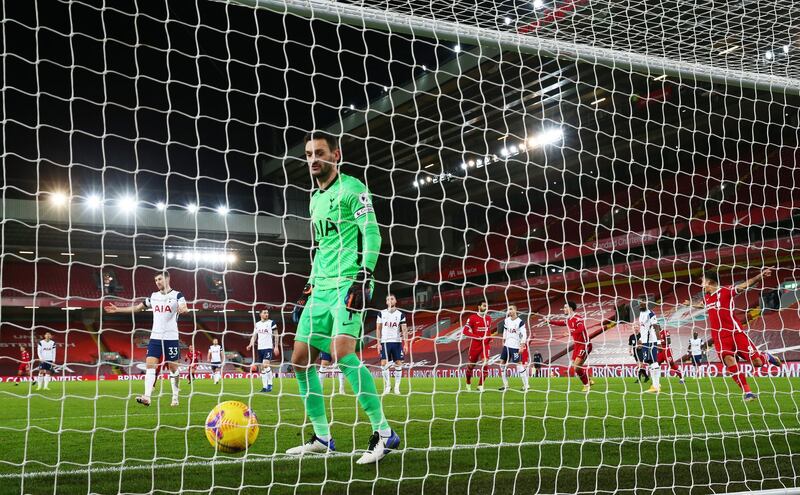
point(173, 380)
point(149, 381)
point(387, 379)
point(216, 377)
point(398, 376)
point(266, 377)
point(341, 382)
point(655, 374)
point(523, 373)
point(504, 375)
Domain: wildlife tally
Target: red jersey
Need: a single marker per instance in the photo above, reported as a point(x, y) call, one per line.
point(477, 326)
point(194, 357)
point(663, 335)
point(577, 329)
point(25, 356)
point(719, 310)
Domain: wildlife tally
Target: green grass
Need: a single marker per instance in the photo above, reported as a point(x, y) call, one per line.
point(696, 438)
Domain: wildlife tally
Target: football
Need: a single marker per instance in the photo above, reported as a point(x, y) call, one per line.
point(231, 426)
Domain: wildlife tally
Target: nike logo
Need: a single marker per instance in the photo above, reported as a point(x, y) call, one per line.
point(347, 324)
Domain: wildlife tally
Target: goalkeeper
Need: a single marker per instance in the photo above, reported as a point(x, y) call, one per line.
point(329, 312)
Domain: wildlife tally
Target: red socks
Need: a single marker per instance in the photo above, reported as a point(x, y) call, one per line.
point(581, 372)
point(739, 378)
point(482, 375)
point(677, 370)
point(469, 375)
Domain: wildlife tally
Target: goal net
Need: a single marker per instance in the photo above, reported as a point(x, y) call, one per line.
point(631, 163)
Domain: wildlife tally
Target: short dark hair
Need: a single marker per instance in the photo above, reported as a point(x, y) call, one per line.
point(164, 274)
point(330, 139)
point(572, 305)
point(711, 275)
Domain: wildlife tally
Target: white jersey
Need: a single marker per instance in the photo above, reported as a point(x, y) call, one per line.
point(391, 323)
point(696, 346)
point(47, 350)
point(647, 331)
point(514, 333)
point(165, 314)
point(216, 353)
point(264, 331)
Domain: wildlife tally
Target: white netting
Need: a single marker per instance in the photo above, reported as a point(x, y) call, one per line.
point(519, 152)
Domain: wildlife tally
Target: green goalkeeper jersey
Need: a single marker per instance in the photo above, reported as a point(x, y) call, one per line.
point(346, 232)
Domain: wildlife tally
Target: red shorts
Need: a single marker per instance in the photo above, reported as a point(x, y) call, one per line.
point(736, 344)
point(24, 367)
point(581, 351)
point(664, 356)
point(524, 357)
point(478, 351)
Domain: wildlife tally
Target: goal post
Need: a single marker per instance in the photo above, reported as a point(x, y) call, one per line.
point(505, 37)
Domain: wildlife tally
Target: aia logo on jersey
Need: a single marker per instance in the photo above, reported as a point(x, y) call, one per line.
point(323, 228)
point(390, 324)
point(164, 308)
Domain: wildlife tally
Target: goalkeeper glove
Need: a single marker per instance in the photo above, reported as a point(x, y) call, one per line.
point(301, 303)
point(360, 293)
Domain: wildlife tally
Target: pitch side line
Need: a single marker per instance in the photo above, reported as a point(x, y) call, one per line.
point(282, 458)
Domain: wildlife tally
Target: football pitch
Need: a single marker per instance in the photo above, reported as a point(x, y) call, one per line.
point(694, 438)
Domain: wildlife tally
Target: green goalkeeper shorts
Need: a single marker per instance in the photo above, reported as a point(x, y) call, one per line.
point(326, 316)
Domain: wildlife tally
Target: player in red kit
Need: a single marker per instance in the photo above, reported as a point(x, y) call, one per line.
point(24, 363)
point(730, 339)
point(477, 329)
point(581, 347)
point(193, 358)
point(665, 353)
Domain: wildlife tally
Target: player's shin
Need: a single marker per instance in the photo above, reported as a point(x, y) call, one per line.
point(174, 376)
point(655, 374)
point(523, 374)
point(266, 371)
point(149, 382)
point(504, 375)
point(580, 371)
point(387, 381)
point(398, 375)
point(739, 378)
point(310, 388)
point(364, 387)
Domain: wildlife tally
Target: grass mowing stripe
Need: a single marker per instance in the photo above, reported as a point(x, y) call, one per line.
point(279, 458)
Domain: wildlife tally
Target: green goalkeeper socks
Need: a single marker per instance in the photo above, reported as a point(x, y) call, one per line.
point(311, 392)
point(364, 386)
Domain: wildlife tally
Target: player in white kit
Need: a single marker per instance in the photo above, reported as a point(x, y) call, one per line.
point(696, 345)
point(215, 358)
point(648, 342)
point(265, 332)
point(515, 337)
point(391, 332)
point(166, 304)
point(46, 352)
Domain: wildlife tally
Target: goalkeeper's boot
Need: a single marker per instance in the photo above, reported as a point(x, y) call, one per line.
point(379, 447)
point(314, 446)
